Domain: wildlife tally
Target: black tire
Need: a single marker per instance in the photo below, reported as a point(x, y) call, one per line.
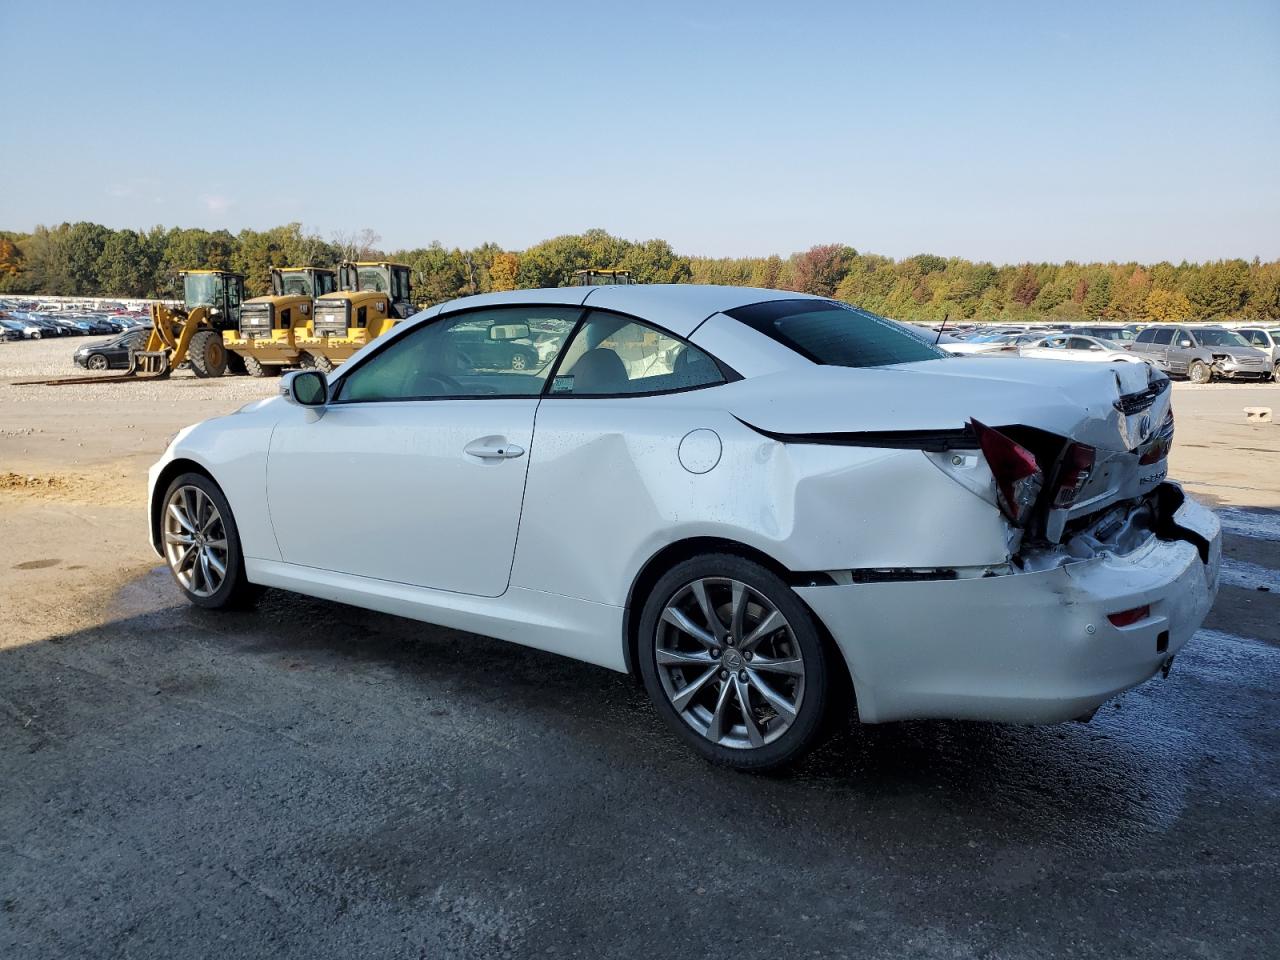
point(36, 335)
point(97, 361)
point(316, 361)
point(520, 361)
point(1199, 372)
point(809, 723)
point(207, 355)
point(235, 591)
point(256, 368)
point(235, 363)
point(1275, 373)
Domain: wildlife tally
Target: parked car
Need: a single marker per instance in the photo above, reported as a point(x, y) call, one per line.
point(484, 350)
point(1106, 331)
point(1201, 352)
point(1266, 339)
point(8, 333)
point(1070, 346)
point(110, 354)
point(811, 508)
point(25, 328)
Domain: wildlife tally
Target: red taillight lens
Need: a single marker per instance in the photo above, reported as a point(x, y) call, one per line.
point(1126, 617)
point(1077, 465)
point(1017, 475)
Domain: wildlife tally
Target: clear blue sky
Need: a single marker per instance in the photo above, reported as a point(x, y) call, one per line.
point(1002, 131)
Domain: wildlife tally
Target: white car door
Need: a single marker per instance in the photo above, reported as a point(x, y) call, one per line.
point(415, 471)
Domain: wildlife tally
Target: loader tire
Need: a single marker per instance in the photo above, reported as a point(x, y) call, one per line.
point(317, 361)
point(207, 355)
point(256, 368)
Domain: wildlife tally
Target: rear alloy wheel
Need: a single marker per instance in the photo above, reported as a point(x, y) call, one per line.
point(1199, 372)
point(519, 362)
point(256, 368)
point(96, 361)
point(733, 661)
point(201, 543)
point(207, 355)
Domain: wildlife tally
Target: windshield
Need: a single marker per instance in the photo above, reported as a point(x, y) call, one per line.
point(835, 334)
point(1221, 338)
point(202, 290)
point(296, 285)
point(371, 278)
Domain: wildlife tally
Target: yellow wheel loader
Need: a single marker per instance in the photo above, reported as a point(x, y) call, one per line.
point(265, 342)
point(372, 298)
point(600, 278)
point(211, 301)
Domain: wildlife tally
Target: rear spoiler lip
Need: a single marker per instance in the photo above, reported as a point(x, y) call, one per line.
point(932, 441)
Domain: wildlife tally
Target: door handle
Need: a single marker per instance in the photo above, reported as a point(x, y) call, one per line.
point(493, 448)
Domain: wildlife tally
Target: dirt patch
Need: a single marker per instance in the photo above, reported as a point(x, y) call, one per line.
point(106, 486)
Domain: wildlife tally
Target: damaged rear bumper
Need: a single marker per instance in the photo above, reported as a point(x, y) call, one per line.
point(1025, 647)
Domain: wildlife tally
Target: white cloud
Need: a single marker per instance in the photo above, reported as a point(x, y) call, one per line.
point(215, 203)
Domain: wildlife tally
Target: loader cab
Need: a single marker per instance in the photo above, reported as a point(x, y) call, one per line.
point(220, 292)
point(309, 282)
point(384, 277)
point(601, 278)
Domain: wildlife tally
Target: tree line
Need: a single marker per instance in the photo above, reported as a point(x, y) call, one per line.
point(87, 259)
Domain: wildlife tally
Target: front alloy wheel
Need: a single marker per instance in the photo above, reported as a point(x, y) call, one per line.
point(734, 661)
point(97, 362)
point(195, 541)
point(201, 543)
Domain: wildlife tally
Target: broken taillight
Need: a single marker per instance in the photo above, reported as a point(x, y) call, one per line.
point(1073, 474)
point(1127, 618)
point(1017, 474)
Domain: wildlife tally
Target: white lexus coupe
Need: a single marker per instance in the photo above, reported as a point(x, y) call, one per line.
point(765, 505)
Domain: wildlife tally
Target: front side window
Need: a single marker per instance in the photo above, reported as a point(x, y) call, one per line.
point(505, 352)
point(613, 355)
point(836, 334)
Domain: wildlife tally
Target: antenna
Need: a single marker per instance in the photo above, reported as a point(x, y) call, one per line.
point(938, 338)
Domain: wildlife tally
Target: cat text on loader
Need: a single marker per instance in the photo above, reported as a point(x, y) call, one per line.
point(265, 341)
point(211, 302)
point(373, 297)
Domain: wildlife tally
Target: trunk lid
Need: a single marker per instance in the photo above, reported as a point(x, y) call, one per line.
point(1122, 410)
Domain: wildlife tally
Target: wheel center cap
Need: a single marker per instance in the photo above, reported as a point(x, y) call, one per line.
point(733, 660)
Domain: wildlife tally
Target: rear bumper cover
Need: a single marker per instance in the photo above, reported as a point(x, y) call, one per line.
point(1026, 647)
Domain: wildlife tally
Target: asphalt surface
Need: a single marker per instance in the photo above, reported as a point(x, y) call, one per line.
point(314, 781)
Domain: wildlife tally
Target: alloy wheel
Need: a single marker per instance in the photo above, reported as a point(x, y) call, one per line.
point(97, 362)
point(195, 541)
point(729, 663)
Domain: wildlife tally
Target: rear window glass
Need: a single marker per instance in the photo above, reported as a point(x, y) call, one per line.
point(835, 334)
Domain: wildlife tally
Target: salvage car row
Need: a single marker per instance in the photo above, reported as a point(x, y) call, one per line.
point(1199, 352)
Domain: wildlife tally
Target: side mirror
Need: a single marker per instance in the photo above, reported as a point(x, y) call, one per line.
point(1184, 343)
point(509, 331)
point(305, 388)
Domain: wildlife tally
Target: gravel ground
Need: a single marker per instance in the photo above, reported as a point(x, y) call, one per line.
point(309, 780)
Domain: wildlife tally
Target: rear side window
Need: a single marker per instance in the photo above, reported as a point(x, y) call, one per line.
point(835, 334)
point(1162, 336)
point(612, 355)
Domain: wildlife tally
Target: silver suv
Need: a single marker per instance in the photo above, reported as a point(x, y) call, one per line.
point(1201, 353)
point(1266, 339)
